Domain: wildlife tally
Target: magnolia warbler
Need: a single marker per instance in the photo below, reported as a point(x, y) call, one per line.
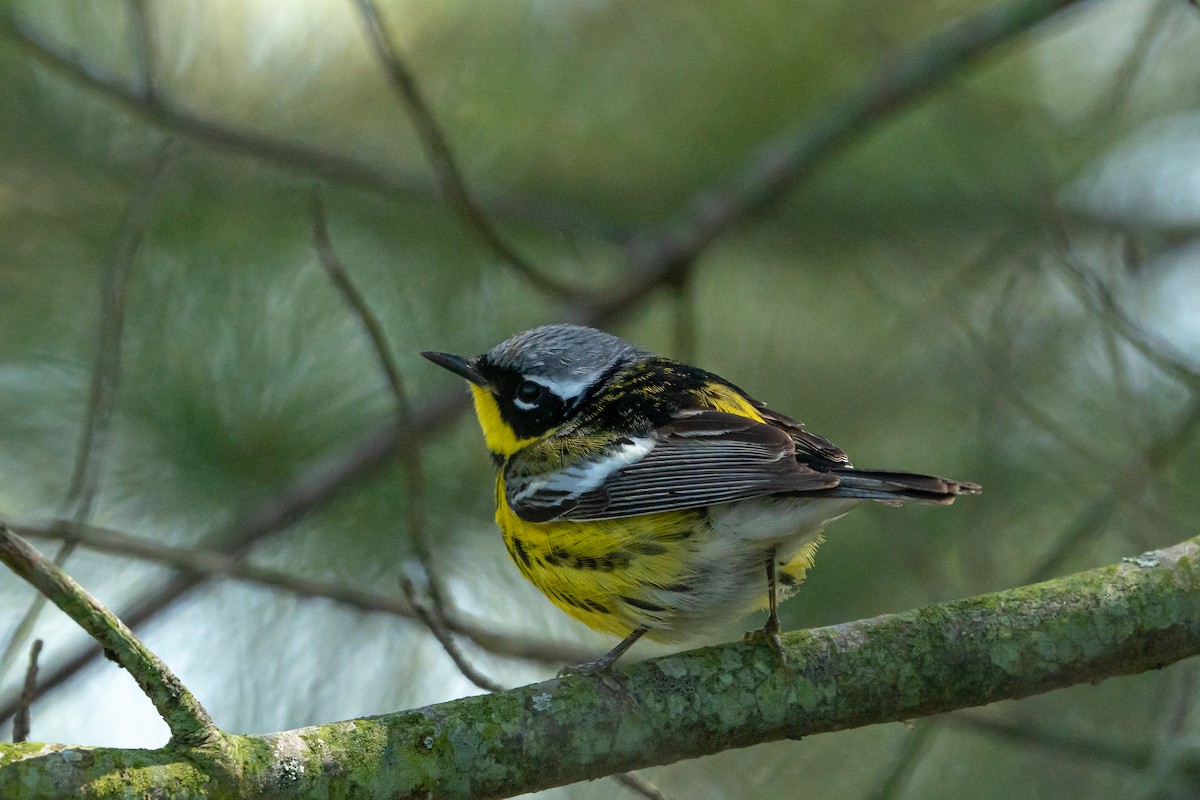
point(647, 497)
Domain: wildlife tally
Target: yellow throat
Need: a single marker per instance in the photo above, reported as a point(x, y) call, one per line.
point(496, 432)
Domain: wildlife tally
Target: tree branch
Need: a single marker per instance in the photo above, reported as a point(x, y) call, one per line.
point(319, 484)
point(1128, 485)
point(204, 564)
point(105, 378)
point(1114, 751)
point(189, 723)
point(21, 722)
point(778, 165)
point(155, 110)
point(1117, 620)
point(446, 172)
point(434, 618)
point(656, 258)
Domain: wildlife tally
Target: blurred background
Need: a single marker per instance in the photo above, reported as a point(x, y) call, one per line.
point(998, 281)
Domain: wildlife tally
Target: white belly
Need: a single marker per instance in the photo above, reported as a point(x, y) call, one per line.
point(729, 569)
point(774, 521)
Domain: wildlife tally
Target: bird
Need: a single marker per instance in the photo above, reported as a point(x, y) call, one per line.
point(647, 497)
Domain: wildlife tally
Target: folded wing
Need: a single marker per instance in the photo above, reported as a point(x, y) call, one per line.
point(698, 459)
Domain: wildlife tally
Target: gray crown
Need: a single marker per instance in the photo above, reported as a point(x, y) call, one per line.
point(561, 352)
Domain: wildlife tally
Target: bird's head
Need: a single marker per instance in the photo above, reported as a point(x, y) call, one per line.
point(529, 385)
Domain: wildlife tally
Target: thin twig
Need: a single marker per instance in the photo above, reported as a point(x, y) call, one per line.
point(913, 750)
point(105, 377)
point(189, 723)
point(1134, 757)
point(1095, 293)
point(21, 723)
point(683, 302)
point(358, 304)
point(1128, 485)
point(1101, 299)
point(143, 46)
point(446, 172)
point(966, 322)
point(639, 785)
point(212, 564)
point(436, 626)
point(1116, 97)
point(776, 167)
point(313, 161)
point(317, 485)
point(1011, 391)
point(106, 371)
point(435, 617)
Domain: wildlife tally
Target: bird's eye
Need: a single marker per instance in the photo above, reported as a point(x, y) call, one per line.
point(529, 392)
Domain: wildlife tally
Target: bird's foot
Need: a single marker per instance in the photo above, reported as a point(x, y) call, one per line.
point(769, 633)
point(600, 667)
point(602, 670)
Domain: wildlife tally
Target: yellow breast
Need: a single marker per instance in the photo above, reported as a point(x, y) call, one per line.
point(605, 573)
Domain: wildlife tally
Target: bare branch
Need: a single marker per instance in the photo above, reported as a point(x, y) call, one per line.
point(1116, 97)
point(106, 371)
point(446, 172)
point(436, 625)
point(143, 47)
point(319, 484)
point(639, 785)
point(777, 166)
point(316, 162)
point(189, 723)
point(1094, 293)
point(105, 376)
point(434, 618)
point(358, 304)
point(21, 725)
point(1131, 483)
point(1088, 747)
point(202, 563)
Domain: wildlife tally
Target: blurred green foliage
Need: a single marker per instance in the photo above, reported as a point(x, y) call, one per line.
point(910, 301)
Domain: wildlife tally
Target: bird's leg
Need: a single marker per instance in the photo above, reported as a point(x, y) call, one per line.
point(772, 626)
point(770, 631)
point(604, 662)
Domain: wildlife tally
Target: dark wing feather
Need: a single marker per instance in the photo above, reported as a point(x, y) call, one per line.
point(816, 451)
point(700, 458)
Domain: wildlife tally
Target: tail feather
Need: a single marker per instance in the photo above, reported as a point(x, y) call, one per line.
point(895, 487)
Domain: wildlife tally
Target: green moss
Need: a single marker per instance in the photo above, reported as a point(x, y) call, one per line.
point(178, 779)
point(1033, 639)
point(15, 751)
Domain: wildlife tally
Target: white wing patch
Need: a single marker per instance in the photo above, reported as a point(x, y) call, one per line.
point(570, 483)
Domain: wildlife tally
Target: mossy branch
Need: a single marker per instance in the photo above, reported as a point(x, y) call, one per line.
point(189, 723)
point(1131, 617)
point(656, 258)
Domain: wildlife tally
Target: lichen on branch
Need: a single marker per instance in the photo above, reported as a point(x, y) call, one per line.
point(1141, 614)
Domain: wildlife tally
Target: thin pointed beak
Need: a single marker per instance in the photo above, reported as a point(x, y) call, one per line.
point(459, 365)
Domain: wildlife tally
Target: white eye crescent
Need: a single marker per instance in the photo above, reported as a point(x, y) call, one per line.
point(528, 394)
